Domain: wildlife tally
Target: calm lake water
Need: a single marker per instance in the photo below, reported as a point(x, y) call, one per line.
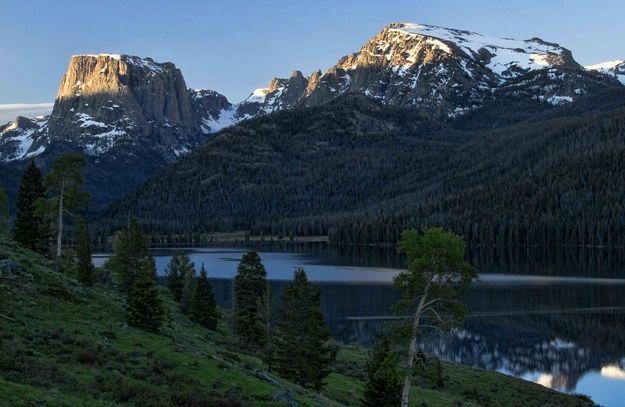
point(552, 317)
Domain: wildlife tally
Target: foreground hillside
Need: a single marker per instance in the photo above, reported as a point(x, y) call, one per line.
point(64, 344)
point(359, 171)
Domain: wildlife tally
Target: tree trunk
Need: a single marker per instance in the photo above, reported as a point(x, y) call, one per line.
point(405, 397)
point(59, 236)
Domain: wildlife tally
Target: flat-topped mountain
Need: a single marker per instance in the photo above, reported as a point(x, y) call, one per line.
point(129, 115)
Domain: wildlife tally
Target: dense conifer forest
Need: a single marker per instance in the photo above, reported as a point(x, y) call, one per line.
point(519, 173)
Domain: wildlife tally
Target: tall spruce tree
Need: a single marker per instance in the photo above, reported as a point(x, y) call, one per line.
point(303, 352)
point(4, 213)
point(130, 254)
point(145, 307)
point(383, 388)
point(203, 305)
point(250, 293)
point(86, 271)
point(187, 291)
point(64, 186)
point(265, 321)
point(176, 271)
point(30, 229)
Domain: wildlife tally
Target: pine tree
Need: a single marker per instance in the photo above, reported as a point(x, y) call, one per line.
point(130, 254)
point(30, 229)
point(265, 321)
point(64, 185)
point(250, 292)
point(145, 307)
point(4, 213)
point(176, 271)
point(303, 353)
point(437, 274)
point(203, 305)
point(86, 272)
point(384, 386)
point(187, 291)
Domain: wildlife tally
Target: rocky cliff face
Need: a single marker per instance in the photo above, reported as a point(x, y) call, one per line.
point(213, 109)
point(279, 95)
point(445, 71)
point(106, 101)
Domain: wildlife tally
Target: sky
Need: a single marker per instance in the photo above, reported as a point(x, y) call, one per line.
point(234, 47)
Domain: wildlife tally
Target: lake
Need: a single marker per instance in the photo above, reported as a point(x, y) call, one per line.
point(554, 317)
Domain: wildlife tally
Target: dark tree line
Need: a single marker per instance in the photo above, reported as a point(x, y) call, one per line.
point(362, 173)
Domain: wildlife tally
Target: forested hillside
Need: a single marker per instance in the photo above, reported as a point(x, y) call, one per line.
point(511, 172)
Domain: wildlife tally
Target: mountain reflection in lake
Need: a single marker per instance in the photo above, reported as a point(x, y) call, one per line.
point(553, 317)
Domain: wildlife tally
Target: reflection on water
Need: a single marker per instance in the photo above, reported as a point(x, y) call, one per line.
point(556, 318)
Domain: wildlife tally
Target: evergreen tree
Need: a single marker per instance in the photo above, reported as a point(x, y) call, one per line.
point(188, 290)
point(250, 292)
point(30, 229)
point(383, 388)
point(176, 271)
point(130, 255)
point(86, 272)
point(303, 353)
point(203, 305)
point(4, 213)
point(437, 274)
point(264, 306)
point(145, 307)
point(64, 186)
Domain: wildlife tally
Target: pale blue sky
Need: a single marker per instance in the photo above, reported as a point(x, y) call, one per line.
point(236, 46)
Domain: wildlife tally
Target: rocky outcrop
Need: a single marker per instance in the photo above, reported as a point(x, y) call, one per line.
point(213, 109)
point(106, 101)
point(279, 95)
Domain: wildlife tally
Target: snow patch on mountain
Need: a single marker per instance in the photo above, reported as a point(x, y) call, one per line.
point(18, 137)
point(85, 120)
point(509, 58)
point(614, 68)
point(226, 118)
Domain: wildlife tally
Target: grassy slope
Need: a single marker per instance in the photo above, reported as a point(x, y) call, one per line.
point(68, 345)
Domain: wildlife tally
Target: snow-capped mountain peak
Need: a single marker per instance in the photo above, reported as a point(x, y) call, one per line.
point(506, 57)
point(614, 68)
point(446, 71)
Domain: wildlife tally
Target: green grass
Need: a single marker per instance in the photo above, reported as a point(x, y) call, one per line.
point(64, 344)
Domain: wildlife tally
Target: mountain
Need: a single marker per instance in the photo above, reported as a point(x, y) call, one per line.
point(130, 116)
point(362, 171)
point(24, 138)
point(614, 68)
point(445, 71)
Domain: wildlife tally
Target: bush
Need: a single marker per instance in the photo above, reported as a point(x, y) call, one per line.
point(190, 397)
point(129, 390)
